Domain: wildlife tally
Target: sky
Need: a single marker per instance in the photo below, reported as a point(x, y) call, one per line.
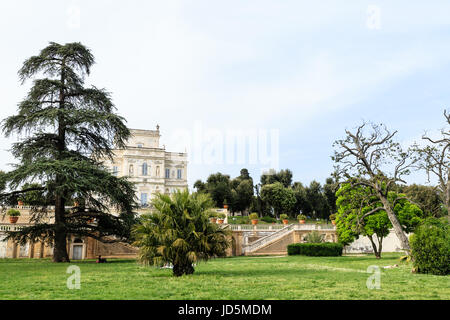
point(284, 77)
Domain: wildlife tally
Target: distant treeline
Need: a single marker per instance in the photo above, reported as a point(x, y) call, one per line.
point(277, 193)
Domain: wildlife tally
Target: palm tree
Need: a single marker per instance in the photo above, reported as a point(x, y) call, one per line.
point(179, 232)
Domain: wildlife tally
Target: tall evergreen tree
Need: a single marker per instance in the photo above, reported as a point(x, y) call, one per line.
point(329, 191)
point(283, 176)
point(241, 192)
point(218, 186)
point(302, 204)
point(281, 199)
point(317, 201)
point(68, 129)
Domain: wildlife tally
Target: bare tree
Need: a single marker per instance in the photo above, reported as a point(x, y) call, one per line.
point(376, 161)
point(435, 160)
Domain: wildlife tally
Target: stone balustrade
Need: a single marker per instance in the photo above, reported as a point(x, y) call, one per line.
point(4, 227)
point(276, 227)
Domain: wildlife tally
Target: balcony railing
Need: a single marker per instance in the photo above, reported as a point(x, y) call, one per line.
point(4, 227)
point(276, 227)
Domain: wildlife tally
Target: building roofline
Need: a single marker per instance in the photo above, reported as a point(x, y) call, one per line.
point(145, 131)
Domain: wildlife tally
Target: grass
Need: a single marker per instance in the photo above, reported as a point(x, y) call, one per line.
point(288, 278)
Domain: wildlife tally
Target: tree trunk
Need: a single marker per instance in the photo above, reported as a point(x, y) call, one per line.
point(380, 245)
point(189, 269)
point(180, 269)
point(60, 249)
point(60, 245)
point(447, 195)
point(374, 246)
point(395, 223)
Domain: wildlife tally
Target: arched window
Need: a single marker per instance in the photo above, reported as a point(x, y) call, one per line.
point(157, 171)
point(131, 170)
point(144, 169)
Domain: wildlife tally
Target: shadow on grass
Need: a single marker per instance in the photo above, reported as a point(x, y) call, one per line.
point(108, 261)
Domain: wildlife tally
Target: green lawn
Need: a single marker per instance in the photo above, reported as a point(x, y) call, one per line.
point(294, 277)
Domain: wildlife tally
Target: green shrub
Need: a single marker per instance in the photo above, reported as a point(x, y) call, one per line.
point(212, 214)
point(301, 217)
point(332, 217)
point(13, 213)
point(284, 216)
point(314, 237)
point(327, 249)
point(220, 215)
point(239, 220)
point(253, 216)
point(430, 247)
point(268, 219)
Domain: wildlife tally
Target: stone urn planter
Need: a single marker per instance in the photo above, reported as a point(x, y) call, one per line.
point(220, 216)
point(20, 203)
point(13, 219)
point(333, 219)
point(254, 217)
point(13, 215)
point(301, 218)
point(284, 218)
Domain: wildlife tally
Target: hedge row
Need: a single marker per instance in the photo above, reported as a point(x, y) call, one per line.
point(326, 249)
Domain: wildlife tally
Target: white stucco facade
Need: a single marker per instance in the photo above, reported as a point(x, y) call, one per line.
point(150, 166)
point(391, 243)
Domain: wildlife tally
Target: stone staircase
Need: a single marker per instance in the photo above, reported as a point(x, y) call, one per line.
point(274, 243)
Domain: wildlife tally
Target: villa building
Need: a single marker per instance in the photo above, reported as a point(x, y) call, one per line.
point(146, 163)
point(150, 166)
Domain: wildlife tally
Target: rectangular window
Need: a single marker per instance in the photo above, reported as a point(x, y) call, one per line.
point(144, 169)
point(167, 173)
point(179, 174)
point(143, 199)
point(115, 171)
